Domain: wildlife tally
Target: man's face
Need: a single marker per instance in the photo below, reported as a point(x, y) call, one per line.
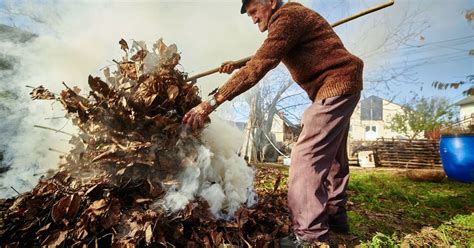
point(260, 12)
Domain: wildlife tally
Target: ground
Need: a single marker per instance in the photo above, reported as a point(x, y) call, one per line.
point(386, 209)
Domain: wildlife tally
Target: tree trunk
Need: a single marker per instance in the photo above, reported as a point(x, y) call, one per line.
point(260, 123)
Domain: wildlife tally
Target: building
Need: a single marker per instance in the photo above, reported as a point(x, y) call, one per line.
point(371, 119)
point(284, 130)
point(278, 142)
point(466, 107)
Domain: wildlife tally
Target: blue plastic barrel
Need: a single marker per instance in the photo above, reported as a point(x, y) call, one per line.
point(457, 155)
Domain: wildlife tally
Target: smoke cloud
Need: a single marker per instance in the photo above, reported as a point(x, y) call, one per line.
point(77, 39)
point(218, 174)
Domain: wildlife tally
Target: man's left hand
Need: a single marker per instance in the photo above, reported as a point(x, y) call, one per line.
point(197, 116)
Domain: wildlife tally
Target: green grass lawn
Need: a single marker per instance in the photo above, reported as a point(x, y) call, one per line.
point(386, 209)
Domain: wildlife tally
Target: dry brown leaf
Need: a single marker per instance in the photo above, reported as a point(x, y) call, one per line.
point(113, 214)
point(206, 242)
point(128, 70)
point(242, 217)
point(216, 238)
point(162, 239)
point(43, 229)
point(123, 45)
point(97, 205)
point(143, 200)
point(42, 94)
point(178, 231)
point(74, 205)
point(55, 239)
point(99, 86)
point(139, 56)
point(148, 234)
point(173, 92)
point(66, 207)
point(121, 172)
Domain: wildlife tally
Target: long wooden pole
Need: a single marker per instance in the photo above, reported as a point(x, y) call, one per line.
point(243, 61)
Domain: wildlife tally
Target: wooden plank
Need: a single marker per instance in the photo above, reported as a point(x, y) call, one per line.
point(415, 153)
point(407, 163)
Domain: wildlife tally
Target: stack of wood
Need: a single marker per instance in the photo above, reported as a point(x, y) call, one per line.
point(407, 153)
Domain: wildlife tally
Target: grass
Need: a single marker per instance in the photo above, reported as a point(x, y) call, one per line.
point(389, 203)
point(386, 209)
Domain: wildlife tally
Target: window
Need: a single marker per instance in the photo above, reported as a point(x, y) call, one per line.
point(371, 132)
point(371, 109)
point(373, 128)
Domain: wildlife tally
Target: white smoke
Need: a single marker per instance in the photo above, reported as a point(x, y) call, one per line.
point(76, 39)
point(218, 174)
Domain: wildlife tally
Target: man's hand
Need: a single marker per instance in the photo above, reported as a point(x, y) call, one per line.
point(227, 67)
point(197, 116)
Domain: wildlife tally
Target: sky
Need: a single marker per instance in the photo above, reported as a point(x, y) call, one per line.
point(439, 53)
point(210, 32)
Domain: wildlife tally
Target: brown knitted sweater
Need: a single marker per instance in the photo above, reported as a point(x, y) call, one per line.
point(308, 46)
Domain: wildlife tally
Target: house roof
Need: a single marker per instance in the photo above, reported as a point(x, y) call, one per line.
point(465, 101)
point(287, 121)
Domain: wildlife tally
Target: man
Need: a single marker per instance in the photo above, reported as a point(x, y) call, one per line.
point(332, 78)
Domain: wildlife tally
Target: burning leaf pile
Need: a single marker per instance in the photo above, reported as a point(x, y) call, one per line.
point(120, 184)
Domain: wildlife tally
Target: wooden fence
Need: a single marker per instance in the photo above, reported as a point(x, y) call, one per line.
point(407, 153)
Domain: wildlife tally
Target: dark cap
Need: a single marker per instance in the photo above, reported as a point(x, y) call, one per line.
point(244, 8)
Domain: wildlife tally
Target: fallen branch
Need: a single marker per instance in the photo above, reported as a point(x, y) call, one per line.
point(53, 129)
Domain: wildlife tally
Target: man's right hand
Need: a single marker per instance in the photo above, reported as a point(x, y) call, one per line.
point(227, 67)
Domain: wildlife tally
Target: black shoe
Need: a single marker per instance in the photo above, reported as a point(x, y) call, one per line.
point(338, 223)
point(341, 228)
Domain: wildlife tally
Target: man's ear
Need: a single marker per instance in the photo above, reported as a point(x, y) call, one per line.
point(274, 4)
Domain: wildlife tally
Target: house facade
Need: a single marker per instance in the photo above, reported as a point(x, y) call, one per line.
point(371, 119)
point(282, 135)
point(284, 130)
point(466, 107)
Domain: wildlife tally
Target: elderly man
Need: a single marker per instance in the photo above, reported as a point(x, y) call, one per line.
point(332, 78)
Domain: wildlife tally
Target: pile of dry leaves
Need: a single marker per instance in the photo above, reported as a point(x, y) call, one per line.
point(122, 161)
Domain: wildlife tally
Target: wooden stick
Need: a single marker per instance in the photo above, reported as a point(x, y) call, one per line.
point(242, 62)
point(58, 151)
point(54, 118)
point(15, 190)
point(55, 130)
point(363, 13)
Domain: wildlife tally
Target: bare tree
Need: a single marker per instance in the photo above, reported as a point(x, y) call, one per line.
point(263, 103)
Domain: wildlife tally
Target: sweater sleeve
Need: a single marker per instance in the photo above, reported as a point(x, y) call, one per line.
point(283, 33)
